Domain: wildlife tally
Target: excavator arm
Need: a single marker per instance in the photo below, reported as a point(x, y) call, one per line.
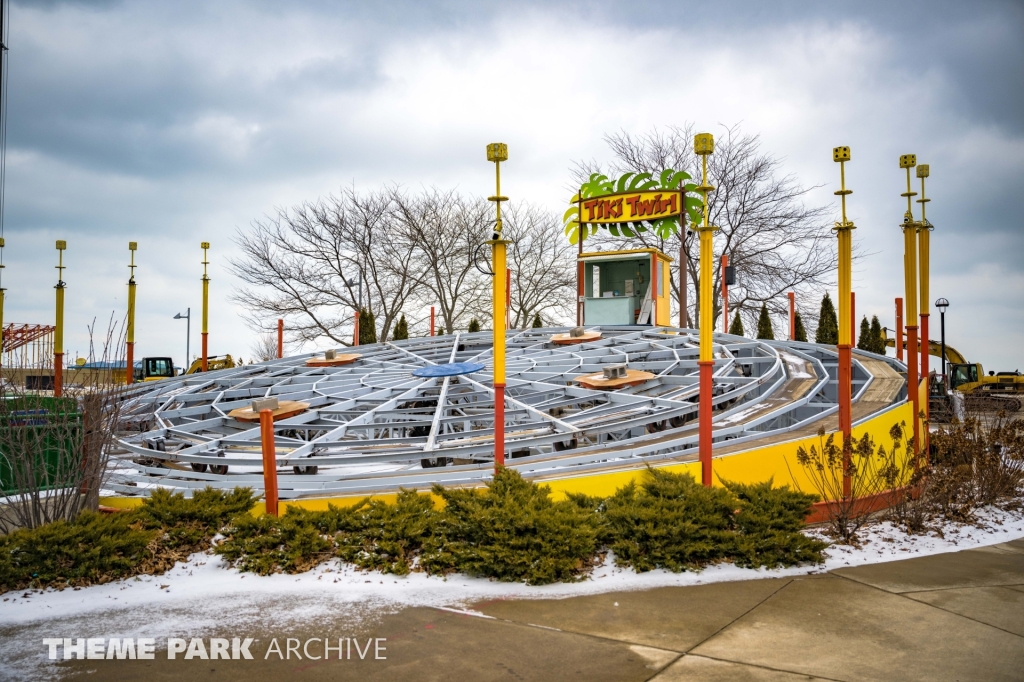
point(953, 356)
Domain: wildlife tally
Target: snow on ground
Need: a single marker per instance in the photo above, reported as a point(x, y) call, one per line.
point(202, 595)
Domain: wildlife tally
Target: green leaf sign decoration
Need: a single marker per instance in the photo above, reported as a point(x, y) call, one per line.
point(634, 203)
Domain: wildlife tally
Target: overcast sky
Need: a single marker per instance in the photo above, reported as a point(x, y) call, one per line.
point(174, 123)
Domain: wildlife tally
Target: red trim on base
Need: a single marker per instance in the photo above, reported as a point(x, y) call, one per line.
point(913, 384)
point(269, 461)
point(58, 375)
point(499, 426)
point(925, 352)
point(820, 511)
point(704, 421)
point(129, 364)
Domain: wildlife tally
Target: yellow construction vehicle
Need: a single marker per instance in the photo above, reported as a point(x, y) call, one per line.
point(213, 363)
point(995, 391)
point(154, 369)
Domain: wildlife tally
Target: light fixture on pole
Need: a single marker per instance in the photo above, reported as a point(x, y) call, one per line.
point(909, 227)
point(703, 146)
point(924, 229)
point(206, 303)
point(188, 334)
point(942, 304)
point(844, 234)
point(498, 152)
point(129, 363)
point(58, 330)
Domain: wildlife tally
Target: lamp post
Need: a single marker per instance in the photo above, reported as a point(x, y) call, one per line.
point(924, 229)
point(909, 227)
point(206, 304)
point(2, 290)
point(942, 304)
point(703, 146)
point(498, 152)
point(129, 363)
point(844, 234)
point(58, 332)
point(188, 334)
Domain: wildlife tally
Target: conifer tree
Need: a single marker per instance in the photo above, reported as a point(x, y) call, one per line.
point(865, 342)
point(367, 327)
point(877, 342)
point(537, 323)
point(799, 332)
point(737, 324)
point(474, 325)
point(828, 323)
point(764, 324)
point(401, 329)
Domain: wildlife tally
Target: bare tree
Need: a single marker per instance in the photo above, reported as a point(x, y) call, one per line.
point(542, 264)
point(265, 347)
point(447, 232)
point(307, 265)
point(54, 452)
point(774, 240)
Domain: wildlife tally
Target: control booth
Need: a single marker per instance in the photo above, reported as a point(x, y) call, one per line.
point(629, 287)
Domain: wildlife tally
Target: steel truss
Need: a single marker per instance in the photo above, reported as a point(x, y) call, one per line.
point(373, 426)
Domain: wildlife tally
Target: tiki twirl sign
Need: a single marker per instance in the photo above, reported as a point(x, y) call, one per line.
point(631, 204)
point(631, 207)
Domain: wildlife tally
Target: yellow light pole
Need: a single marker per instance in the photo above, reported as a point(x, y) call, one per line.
point(2, 290)
point(129, 366)
point(206, 303)
point(498, 152)
point(924, 229)
point(58, 332)
point(703, 146)
point(844, 235)
point(909, 227)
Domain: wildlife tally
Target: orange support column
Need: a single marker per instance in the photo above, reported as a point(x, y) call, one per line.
point(432, 320)
point(269, 460)
point(792, 315)
point(355, 327)
point(280, 339)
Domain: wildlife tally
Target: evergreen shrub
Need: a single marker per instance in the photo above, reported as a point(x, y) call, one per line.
point(764, 324)
point(799, 332)
point(828, 323)
point(97, 548)
point(401, 332)
point(736, 327)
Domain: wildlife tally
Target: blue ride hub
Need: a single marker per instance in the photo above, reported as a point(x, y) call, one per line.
point(450, 369)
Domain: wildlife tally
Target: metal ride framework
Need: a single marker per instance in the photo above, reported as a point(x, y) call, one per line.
point(373, 427)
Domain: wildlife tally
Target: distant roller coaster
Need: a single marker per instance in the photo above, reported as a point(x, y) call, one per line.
point(372, 427)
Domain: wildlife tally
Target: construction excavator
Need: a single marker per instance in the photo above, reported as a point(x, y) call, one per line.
point(154, 369)
point(996, 391)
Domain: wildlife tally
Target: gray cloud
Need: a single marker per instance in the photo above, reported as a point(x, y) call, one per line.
point(175, 122)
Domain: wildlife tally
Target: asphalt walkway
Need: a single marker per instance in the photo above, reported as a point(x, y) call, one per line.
point(957, 616)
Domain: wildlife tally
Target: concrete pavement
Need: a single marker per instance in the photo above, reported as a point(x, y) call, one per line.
point(956, 616)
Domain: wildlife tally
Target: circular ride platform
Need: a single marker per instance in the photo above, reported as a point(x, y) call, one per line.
point(414, 412)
